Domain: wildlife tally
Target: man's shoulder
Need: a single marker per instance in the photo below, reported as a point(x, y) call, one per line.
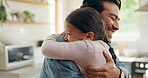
point(61, 38)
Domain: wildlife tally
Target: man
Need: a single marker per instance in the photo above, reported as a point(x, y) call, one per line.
point(109, 10)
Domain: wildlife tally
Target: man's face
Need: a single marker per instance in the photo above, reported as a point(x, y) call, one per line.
point(111, 17)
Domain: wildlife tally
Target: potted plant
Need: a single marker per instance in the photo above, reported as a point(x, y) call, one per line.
point(28, 16)
point(2, 11)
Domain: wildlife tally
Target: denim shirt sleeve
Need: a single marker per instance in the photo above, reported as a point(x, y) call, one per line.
point(123, 68)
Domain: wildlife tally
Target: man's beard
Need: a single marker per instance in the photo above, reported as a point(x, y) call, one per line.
point(110, 31)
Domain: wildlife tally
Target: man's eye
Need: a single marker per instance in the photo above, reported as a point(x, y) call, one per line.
point(113, 18)
point(68, 34)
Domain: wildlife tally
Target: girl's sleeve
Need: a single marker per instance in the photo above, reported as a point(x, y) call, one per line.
point(63, 50)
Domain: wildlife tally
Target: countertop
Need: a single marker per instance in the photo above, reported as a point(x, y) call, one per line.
point(132, 59)
point(26, 72)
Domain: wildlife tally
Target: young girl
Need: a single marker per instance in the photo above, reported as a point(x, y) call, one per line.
point(85, 32)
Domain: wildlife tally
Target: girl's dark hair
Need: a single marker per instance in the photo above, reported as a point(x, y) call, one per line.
point(88, 19)
point(98, 4)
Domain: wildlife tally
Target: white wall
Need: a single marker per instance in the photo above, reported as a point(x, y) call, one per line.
point(65, 7)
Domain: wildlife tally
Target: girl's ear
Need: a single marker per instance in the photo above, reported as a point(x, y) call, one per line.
point(89, 36)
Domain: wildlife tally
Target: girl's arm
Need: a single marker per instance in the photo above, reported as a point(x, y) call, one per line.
point(63, 50)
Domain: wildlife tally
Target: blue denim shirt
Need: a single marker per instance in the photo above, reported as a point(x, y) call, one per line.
point(54, 68)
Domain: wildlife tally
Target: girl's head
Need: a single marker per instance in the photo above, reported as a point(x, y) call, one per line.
point(85, 23)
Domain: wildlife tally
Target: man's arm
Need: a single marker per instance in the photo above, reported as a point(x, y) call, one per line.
point(109, 70)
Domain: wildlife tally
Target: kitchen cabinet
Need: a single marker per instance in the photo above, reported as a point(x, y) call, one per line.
point(143, 8)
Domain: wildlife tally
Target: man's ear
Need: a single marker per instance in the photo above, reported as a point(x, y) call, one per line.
point(89, 36)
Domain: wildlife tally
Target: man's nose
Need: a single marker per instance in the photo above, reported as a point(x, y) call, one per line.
point(116, 25)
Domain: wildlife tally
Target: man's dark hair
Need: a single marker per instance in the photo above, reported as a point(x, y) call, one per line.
point(98, 4)
point(88, 20)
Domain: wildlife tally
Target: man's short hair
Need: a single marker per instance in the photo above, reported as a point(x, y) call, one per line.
point(98, 4)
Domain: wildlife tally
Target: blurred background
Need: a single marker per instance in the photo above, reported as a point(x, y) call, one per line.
point(24, 24)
